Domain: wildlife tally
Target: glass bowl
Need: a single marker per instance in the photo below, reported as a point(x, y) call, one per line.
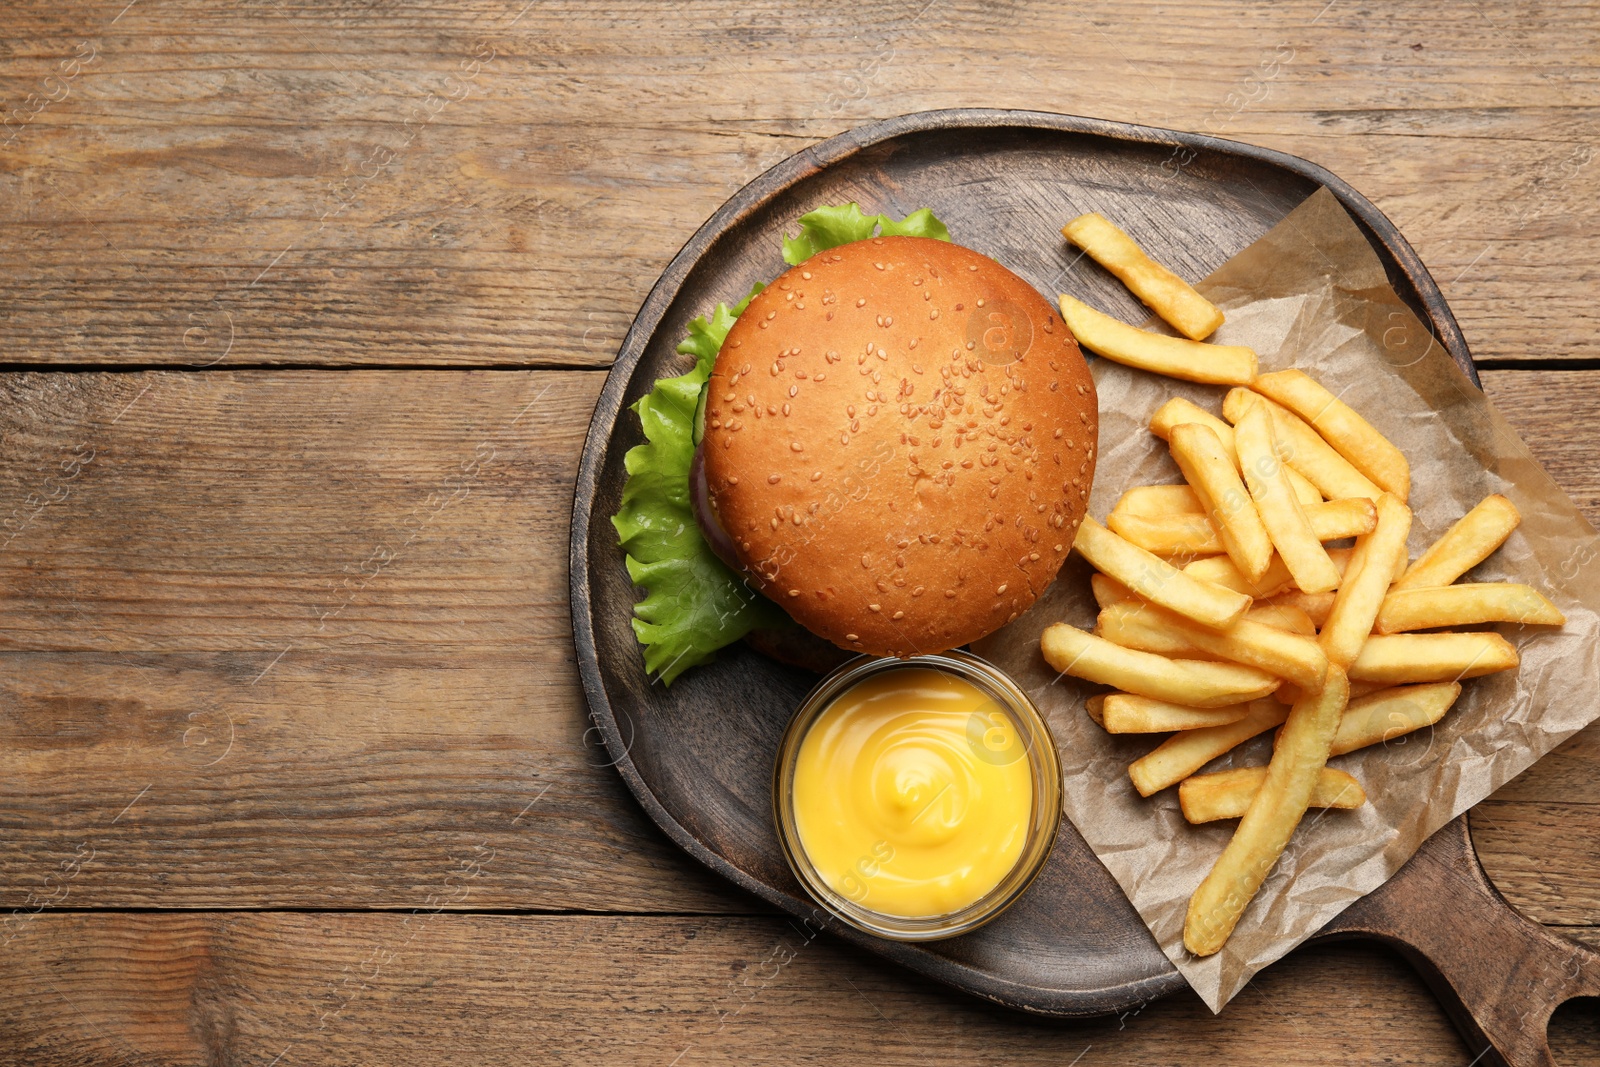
point(1045, 774)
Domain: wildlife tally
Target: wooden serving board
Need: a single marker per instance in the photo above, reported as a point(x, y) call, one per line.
point(699, 755)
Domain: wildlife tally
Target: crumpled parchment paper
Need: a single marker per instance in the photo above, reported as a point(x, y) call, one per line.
point(1312, 294)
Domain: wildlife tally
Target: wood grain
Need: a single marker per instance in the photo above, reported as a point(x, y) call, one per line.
point(326, 208)
point(443, 696)
point(338, 988)
point(268, 184)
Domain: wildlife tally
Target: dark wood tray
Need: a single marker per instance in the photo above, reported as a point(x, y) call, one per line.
point(699, 755)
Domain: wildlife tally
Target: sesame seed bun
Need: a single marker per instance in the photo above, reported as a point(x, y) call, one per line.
point(900, 439)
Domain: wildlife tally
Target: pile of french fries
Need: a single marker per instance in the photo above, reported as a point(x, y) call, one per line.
point(1224, 613)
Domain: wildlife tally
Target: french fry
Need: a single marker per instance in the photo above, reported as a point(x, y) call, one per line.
point(1177, 411)
point(1389, 713)
point(1184, 753)
point(1281, 512)
point(1222, 496)
point(1352, 436)
point(1316, 606)
point(1361, 593)
point(1193, 683)
point(1188, 533)
point(1349, 517)
point(1286, 655)
point(1424, 608)
point(1157, 500)
point(1290, 694)
point(1269, 822)
point(1176, 357)
point(1304, 449)
point(1221, 570)
point(1127, 713)
point(1276, 582)
point(1156, 580)
point(1133, 623)
point(1227, 794)
point(1397, 659)
point(1108, 591)
point(1285, 616)
point(1465, 545)
point(1161, 290)
point(1179, 533)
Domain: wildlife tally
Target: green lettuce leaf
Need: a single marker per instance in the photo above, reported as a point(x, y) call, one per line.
point(694, 604)
point(838, 224)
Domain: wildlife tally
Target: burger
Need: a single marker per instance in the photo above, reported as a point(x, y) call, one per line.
point(893, 443)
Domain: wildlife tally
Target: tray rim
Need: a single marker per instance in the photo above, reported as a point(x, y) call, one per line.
point(745, 202)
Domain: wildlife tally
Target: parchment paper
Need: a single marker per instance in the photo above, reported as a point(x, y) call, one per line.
point(1312, 294)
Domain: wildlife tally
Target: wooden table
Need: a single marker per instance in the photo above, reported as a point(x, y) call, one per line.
point(305, 307)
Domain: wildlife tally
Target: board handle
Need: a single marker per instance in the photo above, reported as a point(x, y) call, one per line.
point(1498, 975)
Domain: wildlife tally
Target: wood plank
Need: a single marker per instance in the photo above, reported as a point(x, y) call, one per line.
point(314, 657)
point(250, 512)
point(225, 512)
point(336, 781)
point(303, 203)
point(339, 988)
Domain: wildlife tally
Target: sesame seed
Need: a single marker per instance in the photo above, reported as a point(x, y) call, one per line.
point(851, 637)
point(794, 592)
point(980, 302)
point(774, 479)
point(874, 607)
point(796, 446)
point(862, 302)
point(898, 615)
point(816, 476)
point(1002, 589)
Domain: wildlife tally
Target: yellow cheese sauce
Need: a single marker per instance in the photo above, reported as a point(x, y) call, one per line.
point(913, 793)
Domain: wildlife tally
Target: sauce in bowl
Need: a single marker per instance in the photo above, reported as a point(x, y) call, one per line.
point(917, 798)
point(912, 793)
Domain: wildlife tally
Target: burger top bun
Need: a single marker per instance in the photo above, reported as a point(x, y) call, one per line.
point(900, 437)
